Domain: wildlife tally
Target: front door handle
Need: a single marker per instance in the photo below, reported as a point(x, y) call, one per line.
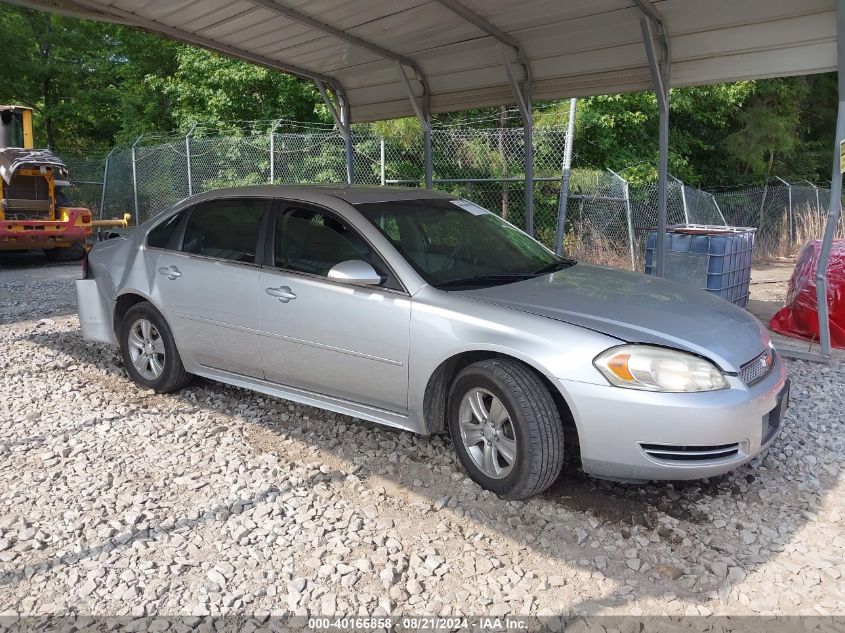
point(171, 272)
point(282, 293)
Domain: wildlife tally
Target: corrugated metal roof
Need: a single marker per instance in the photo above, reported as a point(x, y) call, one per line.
point(574, 47)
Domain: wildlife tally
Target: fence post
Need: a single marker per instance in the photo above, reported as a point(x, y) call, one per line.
point(818, 204)
point(683, 199)
point(273, 151)
point(565, 175)
point(135, 180)
point(629, 216)
point(763, 207)
point(718, 210)
point(105, 183)
point(790, 222)
point(382, 165)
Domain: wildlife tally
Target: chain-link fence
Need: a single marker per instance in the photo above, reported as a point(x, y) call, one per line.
point(607, 221)
point(87, 182)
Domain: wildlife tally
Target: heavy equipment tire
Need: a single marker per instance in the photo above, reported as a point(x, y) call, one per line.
point(149, 351)
point(499, 408)
point(75, 251)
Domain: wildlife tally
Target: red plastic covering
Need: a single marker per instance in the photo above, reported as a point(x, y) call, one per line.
point(800, 316)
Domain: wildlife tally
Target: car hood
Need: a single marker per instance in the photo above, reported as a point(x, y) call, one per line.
point(638, 309)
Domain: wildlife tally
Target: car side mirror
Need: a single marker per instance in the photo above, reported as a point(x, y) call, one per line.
point(355, 271)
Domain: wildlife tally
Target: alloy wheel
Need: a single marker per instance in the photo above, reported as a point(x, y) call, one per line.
point(146, 349)
point(487, 433)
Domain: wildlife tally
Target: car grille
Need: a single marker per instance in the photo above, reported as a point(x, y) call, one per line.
point(672, 453)
point(755, 370)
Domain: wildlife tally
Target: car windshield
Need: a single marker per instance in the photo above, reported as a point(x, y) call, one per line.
point(456, 244)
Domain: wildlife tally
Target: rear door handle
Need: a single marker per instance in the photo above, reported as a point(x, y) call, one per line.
point(282, 293)
point(171, 272)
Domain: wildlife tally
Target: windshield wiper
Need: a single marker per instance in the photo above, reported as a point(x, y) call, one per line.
point(495, 277)
point(555, 266)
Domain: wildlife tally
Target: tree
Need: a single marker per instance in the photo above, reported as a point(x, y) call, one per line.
point(226, 93)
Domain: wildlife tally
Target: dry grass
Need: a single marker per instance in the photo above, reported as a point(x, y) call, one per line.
point(809, 225)
point(588, 244)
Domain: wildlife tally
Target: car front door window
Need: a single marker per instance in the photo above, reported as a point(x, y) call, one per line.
point(313, 242)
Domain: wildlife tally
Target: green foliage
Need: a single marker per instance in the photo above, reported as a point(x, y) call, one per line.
point(224, 93)
point(94, 85)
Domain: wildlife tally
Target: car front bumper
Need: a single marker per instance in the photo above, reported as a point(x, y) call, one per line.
point(642, 435)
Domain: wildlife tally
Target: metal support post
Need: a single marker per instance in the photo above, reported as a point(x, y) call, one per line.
point(273, 129)
point(427, 156)
point(523, 98)
point(523, 102)
point(105, 184)
point(423, 115)
point(348, 141)
point(188, 159)
point(135, 180)
point(835, 207)
point(653, 26)
point(340, 114)
point(382, 162)
point(565, 175)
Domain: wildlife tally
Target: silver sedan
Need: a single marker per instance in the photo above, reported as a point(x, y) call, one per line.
point(422, 311)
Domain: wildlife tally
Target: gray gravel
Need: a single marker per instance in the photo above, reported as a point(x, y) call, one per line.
point(115, 500)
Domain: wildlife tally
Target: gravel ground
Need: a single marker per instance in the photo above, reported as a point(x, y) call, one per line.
point(118, 501)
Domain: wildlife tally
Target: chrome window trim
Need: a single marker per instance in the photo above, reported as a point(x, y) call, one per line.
point(209, 258)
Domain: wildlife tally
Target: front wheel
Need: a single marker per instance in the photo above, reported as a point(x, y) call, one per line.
point(149, 351)
point(506, 428)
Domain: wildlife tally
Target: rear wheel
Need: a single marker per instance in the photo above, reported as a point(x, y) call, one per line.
point(76, 250)
point(506, 429)
point(149, 351)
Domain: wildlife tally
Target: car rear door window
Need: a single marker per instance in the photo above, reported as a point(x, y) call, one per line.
point(225, 229)
point(160, 236)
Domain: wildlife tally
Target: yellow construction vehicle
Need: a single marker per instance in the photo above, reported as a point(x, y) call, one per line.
point(34, 212)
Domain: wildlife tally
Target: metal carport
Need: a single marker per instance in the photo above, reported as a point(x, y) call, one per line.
point(374, 59)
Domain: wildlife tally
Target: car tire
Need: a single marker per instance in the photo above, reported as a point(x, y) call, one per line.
point(532, 434)
point(149, 351)
point(75, 251)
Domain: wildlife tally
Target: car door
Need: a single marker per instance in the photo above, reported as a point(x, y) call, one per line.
point(326, 336)
point(208, 285)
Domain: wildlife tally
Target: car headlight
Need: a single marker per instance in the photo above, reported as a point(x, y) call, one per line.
point(658, 369)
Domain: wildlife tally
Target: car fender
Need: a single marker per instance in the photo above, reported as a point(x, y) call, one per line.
point(445, 325)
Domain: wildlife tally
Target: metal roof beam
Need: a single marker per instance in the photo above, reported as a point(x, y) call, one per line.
point(473, 18)
point(648, 8)
point(340, 34)
point(523, 97)
point(333, 110)
point(503, 38)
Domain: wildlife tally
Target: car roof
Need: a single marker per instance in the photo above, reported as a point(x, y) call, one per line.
point(353, 194)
